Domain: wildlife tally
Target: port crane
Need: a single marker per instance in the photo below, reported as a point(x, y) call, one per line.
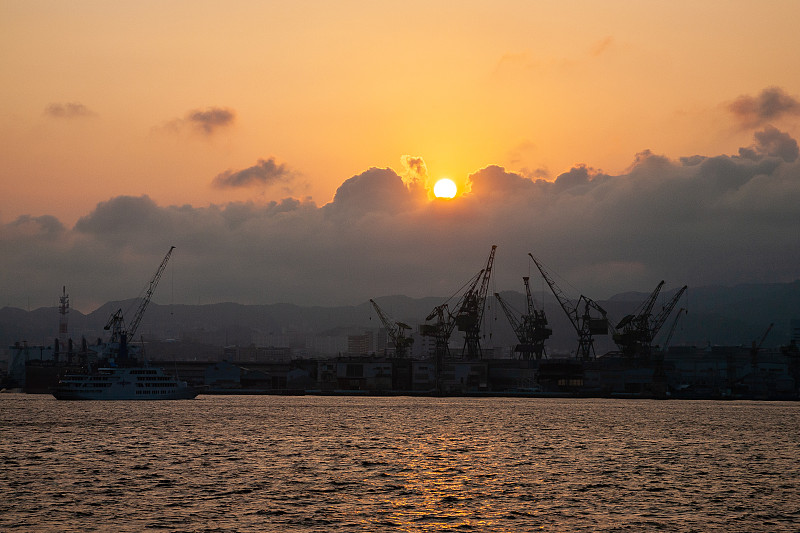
point(633, 331)
point(395, 330)
point(580, 314)
point(531, 328)
point(440, 330)
point(116, 324)
point(661, 317)
point(469, 316)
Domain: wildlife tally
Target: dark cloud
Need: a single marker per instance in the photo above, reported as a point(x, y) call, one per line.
point(772, 104)
point(210, 119)
point(697, 221)
point(771, 142)
point(68, 110)
point(265, 172)
point(204, 121)
point(495, 181)
point(377, 189)
point(26, 226)
point(775, 143)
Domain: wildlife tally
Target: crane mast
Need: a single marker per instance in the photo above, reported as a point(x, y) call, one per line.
point(395, 330)
point(586, 326)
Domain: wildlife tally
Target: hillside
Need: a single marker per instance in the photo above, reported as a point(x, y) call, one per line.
point(716, 315)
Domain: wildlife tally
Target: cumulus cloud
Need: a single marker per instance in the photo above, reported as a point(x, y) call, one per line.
point(415, 168)
point(68, 110)
point(699, 220)
point(204, 121)
point(265, 172)
point(772, 142)
point(771, 104)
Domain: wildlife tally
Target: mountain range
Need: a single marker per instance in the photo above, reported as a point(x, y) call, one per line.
point(717, 315)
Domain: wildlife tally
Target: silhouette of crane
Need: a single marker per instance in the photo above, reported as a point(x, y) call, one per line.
point(530, 328)
point(395, 330)
point(586, 325)
point(116, 323)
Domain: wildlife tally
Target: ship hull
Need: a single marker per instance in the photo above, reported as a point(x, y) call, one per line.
point(128, 383)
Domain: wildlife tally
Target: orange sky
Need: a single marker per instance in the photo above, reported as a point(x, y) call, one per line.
point(330, 89)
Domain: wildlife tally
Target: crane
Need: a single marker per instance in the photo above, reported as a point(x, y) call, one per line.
point(440, 330)
point(672, 328)
point(586, 326)
point(116, 323)
point(531, 328)
point(396, 331)
point(661, 317)
point(634, 330)
point(469, 316)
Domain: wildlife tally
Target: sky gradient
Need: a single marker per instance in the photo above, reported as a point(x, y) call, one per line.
point(289, 149)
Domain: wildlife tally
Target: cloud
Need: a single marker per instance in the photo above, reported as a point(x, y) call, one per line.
point(771, 104)
point(204, 121)
point(265, 172)
point(775, 143)
point(68, 110)
point(210, 119)
point(415, 168)
point(698, 220)
point(377, 189)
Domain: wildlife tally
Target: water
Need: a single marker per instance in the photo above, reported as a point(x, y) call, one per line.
point(266, 463)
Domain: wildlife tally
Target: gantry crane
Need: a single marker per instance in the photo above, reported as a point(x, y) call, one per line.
point(531, 328)
point(395, 330)
point(116, 323)
point(586, 325)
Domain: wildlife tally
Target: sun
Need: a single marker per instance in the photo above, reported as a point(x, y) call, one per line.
point(445, 188)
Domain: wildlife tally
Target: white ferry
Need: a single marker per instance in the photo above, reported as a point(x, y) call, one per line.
point(123, 383)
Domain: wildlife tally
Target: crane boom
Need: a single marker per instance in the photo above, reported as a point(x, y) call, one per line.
point(137, 318)
point(116, 323)
point(564, 302)
point(662, 316)
point(585, 325)
point(395, 331)
point(672, 329)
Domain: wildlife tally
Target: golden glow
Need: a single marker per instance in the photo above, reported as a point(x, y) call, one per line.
point(445, 188)
point(503, 96)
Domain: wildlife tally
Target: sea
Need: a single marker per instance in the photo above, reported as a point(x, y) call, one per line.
point(322, 463)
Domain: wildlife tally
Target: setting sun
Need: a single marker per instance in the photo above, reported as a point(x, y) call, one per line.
point(445, 188)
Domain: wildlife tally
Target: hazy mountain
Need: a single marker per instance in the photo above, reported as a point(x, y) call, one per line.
point(716, 315)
